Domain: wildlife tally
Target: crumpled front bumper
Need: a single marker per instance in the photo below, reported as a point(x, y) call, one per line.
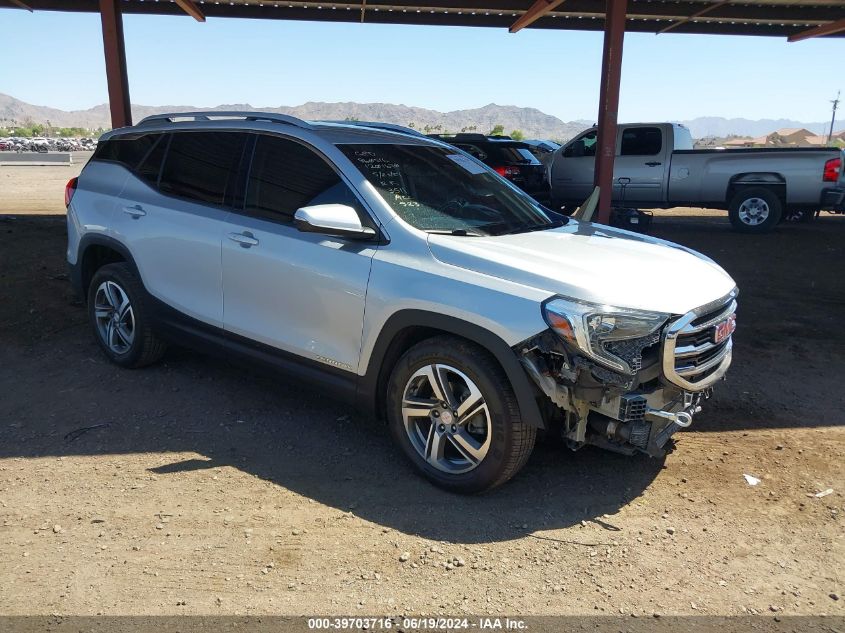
point(643, 421)
point(636, 412)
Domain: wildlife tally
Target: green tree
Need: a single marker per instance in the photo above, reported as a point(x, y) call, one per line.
point(518, 135)
point(497, 130)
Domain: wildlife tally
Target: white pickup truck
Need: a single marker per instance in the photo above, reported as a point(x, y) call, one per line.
point(657, 167)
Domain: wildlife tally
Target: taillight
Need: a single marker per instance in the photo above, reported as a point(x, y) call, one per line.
point(507, 171)
point(832, 169)
point(70, 189)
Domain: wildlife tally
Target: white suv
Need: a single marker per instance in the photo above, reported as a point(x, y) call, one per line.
point(398, 273)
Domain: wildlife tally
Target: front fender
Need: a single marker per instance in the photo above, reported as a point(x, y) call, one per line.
point(387, 350)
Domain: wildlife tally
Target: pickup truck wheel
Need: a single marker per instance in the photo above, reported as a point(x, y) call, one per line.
point(453, 413)
point(755, 210)
point(120, 319)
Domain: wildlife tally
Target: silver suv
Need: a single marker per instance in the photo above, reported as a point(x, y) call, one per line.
point(398, 273)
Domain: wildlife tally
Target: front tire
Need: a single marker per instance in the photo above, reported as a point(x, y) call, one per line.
point(453, 413)
point(120, 317)
point(755, 210)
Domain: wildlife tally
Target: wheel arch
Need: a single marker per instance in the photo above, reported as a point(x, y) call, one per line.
point(770, 180)
point(406, 328)
point(95, 251)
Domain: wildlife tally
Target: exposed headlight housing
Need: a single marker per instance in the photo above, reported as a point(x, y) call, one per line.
point(607, 334)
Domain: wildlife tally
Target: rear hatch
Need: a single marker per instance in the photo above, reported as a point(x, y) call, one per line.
point(516, 162)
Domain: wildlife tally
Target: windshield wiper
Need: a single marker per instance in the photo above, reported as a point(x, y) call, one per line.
point(460, 232)
point(528, 228)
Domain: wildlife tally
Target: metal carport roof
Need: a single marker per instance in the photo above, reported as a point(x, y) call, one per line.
point(781, 18)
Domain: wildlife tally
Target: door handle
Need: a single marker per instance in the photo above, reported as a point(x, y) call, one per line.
point(654, 164)
point(245, 239)
point(136, 211)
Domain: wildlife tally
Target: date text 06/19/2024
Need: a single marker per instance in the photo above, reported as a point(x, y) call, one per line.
point(418, 623)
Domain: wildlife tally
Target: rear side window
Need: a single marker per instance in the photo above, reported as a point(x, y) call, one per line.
point(286, 176)
point(201, 166)
point(125, 150)
point(150, 166)
point(641, 141)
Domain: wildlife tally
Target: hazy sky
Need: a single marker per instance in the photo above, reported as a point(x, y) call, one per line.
point(56, 59)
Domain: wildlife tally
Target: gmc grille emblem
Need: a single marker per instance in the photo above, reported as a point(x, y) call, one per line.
point(724, 329)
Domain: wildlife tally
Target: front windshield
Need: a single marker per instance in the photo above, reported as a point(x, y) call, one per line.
point(443, 190)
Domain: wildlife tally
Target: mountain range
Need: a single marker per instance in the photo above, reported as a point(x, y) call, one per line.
point(532, 122)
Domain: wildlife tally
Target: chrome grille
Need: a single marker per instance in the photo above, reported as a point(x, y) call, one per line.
point(692, 359)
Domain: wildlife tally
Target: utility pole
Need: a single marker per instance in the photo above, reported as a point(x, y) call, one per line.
point(835, 103)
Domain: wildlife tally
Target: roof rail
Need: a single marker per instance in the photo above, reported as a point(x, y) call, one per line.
point(460, 136)
point(377, 125)
point(210, 115)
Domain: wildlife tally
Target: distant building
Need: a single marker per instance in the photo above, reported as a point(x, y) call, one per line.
point(790, 136)
point(739, 142)
point(785, 137)
point(817, 141)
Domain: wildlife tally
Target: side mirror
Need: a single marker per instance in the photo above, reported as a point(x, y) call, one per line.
point(332, 219)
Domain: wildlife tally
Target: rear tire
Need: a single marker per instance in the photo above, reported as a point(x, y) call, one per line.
point(453, 413)
point(120, 317)
point(755, 210)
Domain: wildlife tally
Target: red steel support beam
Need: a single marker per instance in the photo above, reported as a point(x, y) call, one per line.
point(825, 29)
point(190, 7)
point(115, 51)
point(534, 13)
point(611, 73)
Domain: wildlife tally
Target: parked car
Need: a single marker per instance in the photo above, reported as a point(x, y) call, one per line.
point(511, 159)
point(541, 148)
point(657, 167)
point(544, 151)
point(394, 272)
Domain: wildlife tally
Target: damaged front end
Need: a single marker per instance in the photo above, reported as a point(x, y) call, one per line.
point(627, 380)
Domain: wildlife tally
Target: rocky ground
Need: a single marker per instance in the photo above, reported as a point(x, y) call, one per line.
point(196, 486)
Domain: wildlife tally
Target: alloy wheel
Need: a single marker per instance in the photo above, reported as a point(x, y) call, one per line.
point(446, 418)
point(114, 316)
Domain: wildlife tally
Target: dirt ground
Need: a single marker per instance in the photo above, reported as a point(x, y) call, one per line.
point(18, 195)
point(197, 487)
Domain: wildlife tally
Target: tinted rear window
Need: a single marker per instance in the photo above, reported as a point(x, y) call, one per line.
point(519, 154)
point(201, 165)
point(125, 150)
point(500, 153)
point(150, 167)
